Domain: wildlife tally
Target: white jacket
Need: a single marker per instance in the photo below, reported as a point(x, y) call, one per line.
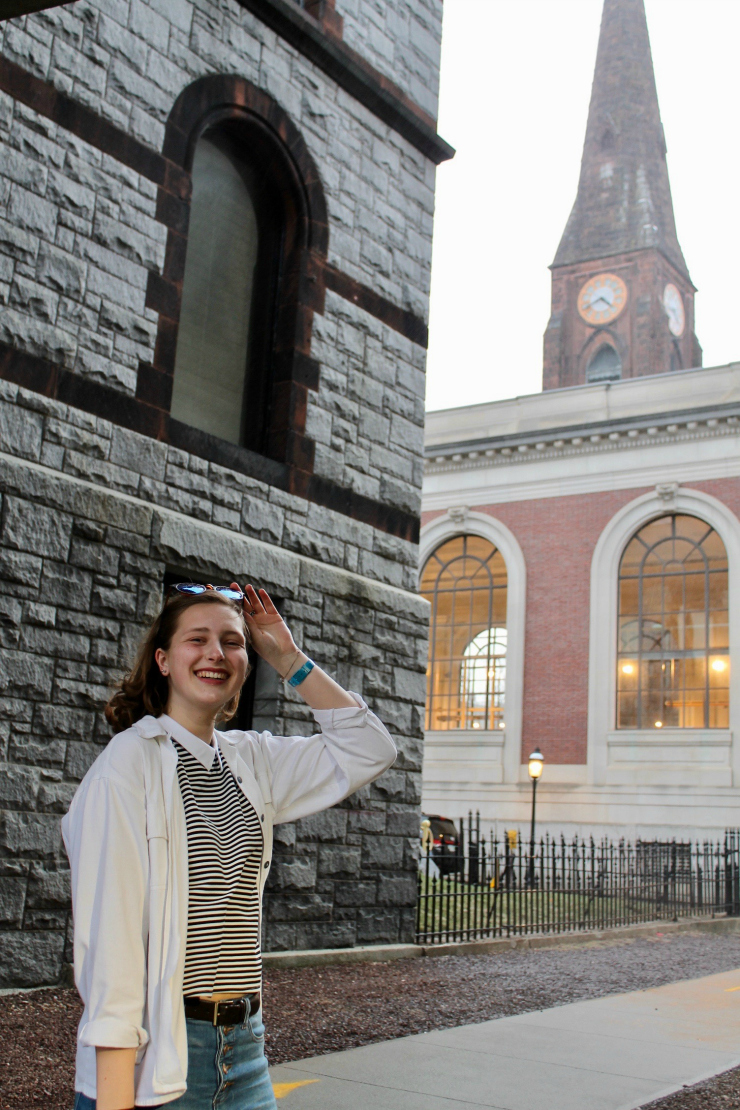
point(126, 839)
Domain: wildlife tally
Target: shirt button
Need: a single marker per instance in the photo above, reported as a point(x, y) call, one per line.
point(262, 816)
point(267, 863)
point(238, 778)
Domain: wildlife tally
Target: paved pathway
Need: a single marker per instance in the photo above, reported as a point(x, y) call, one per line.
point(612, 1053)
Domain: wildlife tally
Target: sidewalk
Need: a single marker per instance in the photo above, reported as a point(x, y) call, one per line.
point(612, 1053)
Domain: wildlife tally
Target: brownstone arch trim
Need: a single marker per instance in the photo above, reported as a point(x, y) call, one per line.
point(300, 292)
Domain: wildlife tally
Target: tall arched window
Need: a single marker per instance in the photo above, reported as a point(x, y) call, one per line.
point(222, 365)
point(673, 650)
point(605, 366)
point(465, 581)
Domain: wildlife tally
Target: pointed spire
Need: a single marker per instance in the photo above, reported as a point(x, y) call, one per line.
point(624, 196)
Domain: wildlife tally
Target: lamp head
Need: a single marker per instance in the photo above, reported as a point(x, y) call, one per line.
point(536, 763)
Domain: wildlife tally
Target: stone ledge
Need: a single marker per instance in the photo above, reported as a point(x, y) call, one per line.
point(381, 953)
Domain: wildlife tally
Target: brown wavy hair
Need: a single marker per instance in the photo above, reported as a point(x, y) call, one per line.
point(145, 689)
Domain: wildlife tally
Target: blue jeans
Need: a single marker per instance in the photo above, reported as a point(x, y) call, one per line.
point(227, 1069)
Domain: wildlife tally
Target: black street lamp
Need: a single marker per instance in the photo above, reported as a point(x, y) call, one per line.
point(536, 764)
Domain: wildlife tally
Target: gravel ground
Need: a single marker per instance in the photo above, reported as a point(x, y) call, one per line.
point(311, 1010)
point(720, 1093)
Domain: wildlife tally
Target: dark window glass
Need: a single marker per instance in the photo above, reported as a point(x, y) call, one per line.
point(222, 381)
point(673, 663)
point(465, 581)
point(605, 366)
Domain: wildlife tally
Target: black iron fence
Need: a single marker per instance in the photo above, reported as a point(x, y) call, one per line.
point(497, 886)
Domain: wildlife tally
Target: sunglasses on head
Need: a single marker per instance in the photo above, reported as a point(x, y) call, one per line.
point(199, 588)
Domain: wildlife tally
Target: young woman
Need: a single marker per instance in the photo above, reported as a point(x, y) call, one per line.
point(169, 838)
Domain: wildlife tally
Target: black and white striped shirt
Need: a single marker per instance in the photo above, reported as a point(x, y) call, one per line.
point(222, 952)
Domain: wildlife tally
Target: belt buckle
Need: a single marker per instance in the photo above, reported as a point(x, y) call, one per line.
point(215, 1013)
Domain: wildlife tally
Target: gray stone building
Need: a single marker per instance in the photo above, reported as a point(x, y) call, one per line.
point(215, 234)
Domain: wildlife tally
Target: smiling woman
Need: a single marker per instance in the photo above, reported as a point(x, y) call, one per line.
point(169, 838)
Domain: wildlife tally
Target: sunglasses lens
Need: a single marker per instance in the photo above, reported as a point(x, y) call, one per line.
point(233, 595)
point(190, 588)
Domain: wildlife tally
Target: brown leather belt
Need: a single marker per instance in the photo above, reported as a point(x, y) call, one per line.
point(227, 1011)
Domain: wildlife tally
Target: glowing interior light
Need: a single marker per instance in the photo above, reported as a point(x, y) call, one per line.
point(658, 724)
point(719, 665)
point(628, 668)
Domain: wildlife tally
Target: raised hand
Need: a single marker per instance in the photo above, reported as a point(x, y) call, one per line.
point(271, 637)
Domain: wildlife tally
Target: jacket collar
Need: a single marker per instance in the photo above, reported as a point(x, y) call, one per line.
point(150, 728)
point(204, 753)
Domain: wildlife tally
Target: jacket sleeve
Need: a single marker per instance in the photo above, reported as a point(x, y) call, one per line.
point(105, 837)
point(311, 773)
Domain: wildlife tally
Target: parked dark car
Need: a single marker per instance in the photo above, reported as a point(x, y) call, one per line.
point(445, 848)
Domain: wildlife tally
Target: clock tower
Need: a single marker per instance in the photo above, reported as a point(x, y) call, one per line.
point(622, 298)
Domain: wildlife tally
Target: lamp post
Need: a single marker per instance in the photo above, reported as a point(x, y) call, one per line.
point(536, 763)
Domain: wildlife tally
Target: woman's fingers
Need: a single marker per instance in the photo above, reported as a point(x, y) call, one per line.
point(267, 602)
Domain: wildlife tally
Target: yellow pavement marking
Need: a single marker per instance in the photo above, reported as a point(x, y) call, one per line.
point(281, 1089)
point(728, 990)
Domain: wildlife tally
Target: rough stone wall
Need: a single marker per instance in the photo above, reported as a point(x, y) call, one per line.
point(93, 515)
point(78, 234)
point(81, 568)
point(402, 39)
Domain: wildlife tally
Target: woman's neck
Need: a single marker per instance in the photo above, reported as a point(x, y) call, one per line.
point(198, 721)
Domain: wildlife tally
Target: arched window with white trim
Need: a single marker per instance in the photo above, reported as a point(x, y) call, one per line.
point(673, 637)
point(465, 581)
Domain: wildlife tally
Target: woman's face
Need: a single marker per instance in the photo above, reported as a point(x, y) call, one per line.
point(206, 662)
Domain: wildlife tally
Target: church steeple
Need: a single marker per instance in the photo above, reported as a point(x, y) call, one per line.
point(621, 288)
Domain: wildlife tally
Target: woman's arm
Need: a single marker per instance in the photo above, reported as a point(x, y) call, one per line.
point(115, 1078)
point(273, 642)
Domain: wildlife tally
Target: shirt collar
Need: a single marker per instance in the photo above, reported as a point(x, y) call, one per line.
point(204, 753)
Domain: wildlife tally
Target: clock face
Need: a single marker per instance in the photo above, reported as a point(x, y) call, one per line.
point(673, 305)
point(602, 298)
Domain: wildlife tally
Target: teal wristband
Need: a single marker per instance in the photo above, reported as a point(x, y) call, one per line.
point(301, 673)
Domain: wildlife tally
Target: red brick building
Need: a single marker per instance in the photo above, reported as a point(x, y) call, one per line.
point(579, 546)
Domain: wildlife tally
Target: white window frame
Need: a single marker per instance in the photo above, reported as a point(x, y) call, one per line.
point(602, 679)
point(461, 522)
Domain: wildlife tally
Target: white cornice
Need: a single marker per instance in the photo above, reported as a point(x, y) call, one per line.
point(594, 440)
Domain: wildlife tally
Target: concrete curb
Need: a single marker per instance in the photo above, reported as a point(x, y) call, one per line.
point(384, 953)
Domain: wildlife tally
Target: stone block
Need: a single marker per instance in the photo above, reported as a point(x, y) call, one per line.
point(30, 835)
point(377, 926)
point(55, 797)
point(32, 213)
point(24, 333)
point(47, 898)
point(381, 852)
point(25, 675)
point(94, 556)
point(397, 890)
point(339, 934)
point(12, 900)
point(405, 822)
point(339, 861)
point(293, 873)
point(265, 519)
point(36, 529)
point(55, 643)
point(35, 751)
point(30, 959)
point(80, 758)
point(18, 786)
point(10, 619)
point(299, 907)
point(20, 569)
point(63, 722)
point(366, 820)
point(409, 685)
point(42, 615)
point(75, 692)
point(20, 431)
point(331, 824)
point(355, 893)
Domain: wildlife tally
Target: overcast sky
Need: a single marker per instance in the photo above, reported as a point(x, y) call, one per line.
point(515, 87)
